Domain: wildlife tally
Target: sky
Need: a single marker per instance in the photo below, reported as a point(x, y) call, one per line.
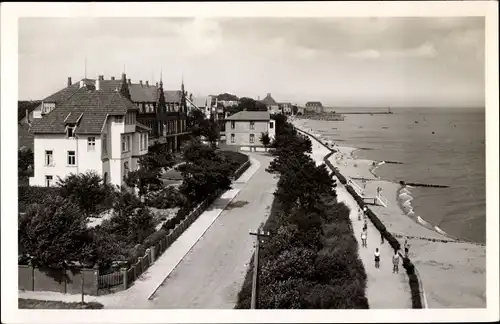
point(358, 62)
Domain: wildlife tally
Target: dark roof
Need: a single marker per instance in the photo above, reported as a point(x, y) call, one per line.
point(268, 100)
point(91, 108)
point(142, 126)
point(173, 95)
point(250, 115)
point(313, 103)
point(143, 93)
point(23, 105)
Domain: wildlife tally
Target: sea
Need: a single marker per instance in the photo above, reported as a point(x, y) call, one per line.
point(439, 146)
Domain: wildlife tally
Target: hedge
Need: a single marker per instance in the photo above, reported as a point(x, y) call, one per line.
point(416, 298)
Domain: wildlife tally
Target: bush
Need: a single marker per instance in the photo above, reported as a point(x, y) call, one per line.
point(35, 195)
point(166, 198)
point(87, 190)
point(154, 238)
point(182, 213)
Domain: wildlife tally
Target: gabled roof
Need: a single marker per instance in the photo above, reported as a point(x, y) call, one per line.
point(269, 101)
point(143, 93)
point(250, 116)
point(89, 108)
point(201, 101)
point(173, 95)
point(22, 106)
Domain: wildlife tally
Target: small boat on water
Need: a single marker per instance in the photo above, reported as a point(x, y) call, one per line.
point(385, 127)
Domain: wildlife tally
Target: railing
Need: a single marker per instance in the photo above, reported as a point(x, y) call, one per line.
point(383, 201)
point(356, 187)
point(110, 280)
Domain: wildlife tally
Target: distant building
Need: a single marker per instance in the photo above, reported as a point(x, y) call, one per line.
point(245, 128)
point(314, 106)
point(285, 108)
point(272, 106)
point(93, 129)
point(227, 99)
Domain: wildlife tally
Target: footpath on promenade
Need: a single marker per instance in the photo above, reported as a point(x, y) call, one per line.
point(137, 296)
point(385, 290)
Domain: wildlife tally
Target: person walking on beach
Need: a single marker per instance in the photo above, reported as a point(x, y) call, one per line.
point(377, 258)
point(395, 262)
point(365, 225)
point(359, 213)
point(407, 248)
point(363, 238)
point(364, 212)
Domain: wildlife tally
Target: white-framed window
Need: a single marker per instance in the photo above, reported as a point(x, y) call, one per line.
point(252, 125)
point(232, 138)
point(71, 158)
point(252, 138)
point(49, 158)
point(104, 143)
point(90, 143)
point(124, 144)
point(48, 180)
point(233, 123)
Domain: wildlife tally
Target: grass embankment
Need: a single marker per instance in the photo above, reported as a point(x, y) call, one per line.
point(49, 304)
point(311, 260)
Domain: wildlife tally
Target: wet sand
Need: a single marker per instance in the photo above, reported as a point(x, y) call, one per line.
point(453, 273)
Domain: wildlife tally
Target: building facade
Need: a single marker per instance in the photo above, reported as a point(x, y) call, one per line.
point(245, 128)
point(285, 108)
point(272, 106)
point(315, 106)
point(93, 130)
point(164, 112)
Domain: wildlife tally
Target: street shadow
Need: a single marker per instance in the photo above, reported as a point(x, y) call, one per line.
point(236, 204)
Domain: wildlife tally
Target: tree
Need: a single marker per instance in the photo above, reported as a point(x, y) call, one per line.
point(144, 179)
point(265, 139)
point(194, 118)
point(295, 109)
point(157, 159)
point(249, 104)
point(54, 234)
point(25, 160)
point(87, 190)
point(204, 171)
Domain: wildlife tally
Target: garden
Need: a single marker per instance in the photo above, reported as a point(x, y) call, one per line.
point(85, 222)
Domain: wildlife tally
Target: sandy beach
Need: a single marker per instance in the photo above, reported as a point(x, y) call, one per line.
point(442, 263)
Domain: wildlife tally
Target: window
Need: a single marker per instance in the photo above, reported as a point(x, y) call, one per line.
point(232, 138)
point(232, 124)
point(252, 138)
point(105, 177)
point(145, 141)
point(105, 143)
point(124, 144)
point(71, 131)
point(252, 125)
point(71, 158)
point(91, 144)
point(49, 158)
point(140, 141)
point(271, 125)
point(48, 180)
point(125, 170)
point(128, 142)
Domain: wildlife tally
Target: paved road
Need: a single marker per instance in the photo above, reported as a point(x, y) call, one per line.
point(211, 274)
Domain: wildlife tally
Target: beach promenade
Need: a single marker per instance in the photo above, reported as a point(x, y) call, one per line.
point(385, 290)
point(441, 266)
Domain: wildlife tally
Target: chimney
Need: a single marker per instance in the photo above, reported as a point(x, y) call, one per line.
point(98, 83)
point(129, 81)
point(157, 84)
point(101, 77)
point(140, 82)
point(113, 78)
point(147, 84)
point(69, 81)
point(124, 77)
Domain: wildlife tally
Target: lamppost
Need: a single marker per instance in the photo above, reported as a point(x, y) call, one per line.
point(259, 234)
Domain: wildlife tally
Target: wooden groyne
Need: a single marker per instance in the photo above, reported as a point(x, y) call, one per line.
point(368, 113)
point(403, 183)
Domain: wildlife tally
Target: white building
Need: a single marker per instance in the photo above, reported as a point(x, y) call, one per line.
point(91, 130)
point(245, 128)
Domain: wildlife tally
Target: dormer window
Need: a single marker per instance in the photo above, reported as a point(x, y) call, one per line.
point(70, 131)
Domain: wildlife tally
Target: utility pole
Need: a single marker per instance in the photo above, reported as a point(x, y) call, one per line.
point(258, 234)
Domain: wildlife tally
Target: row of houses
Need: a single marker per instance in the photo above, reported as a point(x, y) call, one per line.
point(104, 125)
